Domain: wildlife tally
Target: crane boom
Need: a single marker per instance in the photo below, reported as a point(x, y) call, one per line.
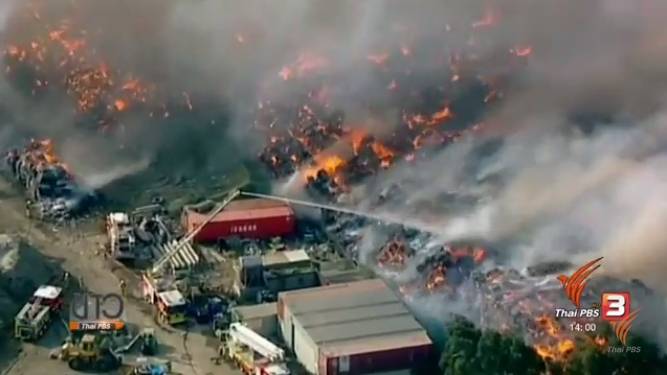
point(256, 342)
point(165, 258)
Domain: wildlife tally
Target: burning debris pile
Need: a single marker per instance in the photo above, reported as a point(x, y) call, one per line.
point(51, 190)
point(508, 300)
point(407, 115)
point(415, 260)
point(57, 57)
point(511, 301)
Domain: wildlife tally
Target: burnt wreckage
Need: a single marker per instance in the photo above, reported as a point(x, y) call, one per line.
point(51, 191)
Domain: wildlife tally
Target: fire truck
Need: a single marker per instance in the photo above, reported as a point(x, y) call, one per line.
point(252, 353)
point(170, 305)
point(158, 285)
point(121, 236)
point(33, 319)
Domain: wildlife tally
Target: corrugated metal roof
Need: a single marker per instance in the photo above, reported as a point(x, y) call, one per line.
point(339, 296)
point(252, 204)
point(355, 329)
point(281, 257)
point(356, 317)
point(361, 313)
point(249, 214)
point(256, 311)
point(377, 344)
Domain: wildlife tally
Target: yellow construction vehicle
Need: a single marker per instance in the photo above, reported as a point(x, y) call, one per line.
point(91, 353)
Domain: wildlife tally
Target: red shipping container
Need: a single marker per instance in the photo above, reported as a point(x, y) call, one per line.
point(248, 218)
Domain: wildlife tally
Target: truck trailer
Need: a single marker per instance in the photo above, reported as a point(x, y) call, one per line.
point(34, 318)
point(248, 218)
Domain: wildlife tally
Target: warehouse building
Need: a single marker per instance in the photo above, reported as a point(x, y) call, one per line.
point(360, 327)
point(260, 318)
point(273, 273)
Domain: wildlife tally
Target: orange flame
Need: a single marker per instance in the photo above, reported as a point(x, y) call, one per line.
point(383, 153)
point(378, 59)
point(120, 105)
point(330, 164)
point(490, 18)
point(357, 138)
point(522, 51)
point(440, 116)
point(436, 279)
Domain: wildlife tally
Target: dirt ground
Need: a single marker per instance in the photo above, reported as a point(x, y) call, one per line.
point(190, 352)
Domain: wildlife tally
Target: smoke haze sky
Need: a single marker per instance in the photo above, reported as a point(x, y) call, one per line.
point(555, 187)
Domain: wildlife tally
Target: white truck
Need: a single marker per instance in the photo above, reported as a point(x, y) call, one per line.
point(33, 319)
point(252, 353)
point(121, 236)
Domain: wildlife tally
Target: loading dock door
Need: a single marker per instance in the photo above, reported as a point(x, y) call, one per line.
point(344, 364)
point(292, 333)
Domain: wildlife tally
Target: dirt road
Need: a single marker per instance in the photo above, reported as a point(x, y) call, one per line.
point(190, 352)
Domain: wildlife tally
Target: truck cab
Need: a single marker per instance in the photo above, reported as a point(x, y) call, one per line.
point(171, 307)
point(122, 240)
point(33, 319)
point(48, 295)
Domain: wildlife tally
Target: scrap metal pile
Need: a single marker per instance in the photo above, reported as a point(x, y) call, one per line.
point(52, 192)
point(416, 260)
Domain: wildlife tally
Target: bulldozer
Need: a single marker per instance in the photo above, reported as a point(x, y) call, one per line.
point(91, 353)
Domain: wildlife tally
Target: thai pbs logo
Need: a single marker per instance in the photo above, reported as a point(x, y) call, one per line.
point(614, 307)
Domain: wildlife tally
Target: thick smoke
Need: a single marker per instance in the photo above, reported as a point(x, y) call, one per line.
point(572, 164)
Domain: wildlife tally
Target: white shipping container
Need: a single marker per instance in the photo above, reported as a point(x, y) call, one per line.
point(305, 349)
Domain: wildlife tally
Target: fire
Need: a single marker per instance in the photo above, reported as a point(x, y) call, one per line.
point(60, 53)
point(329, 164)
point(479, 255)
point(440, 116)
point(305, 64)
point(548, 324)
point(490, 18)
point(522, 51)
point(13, 50)
point(305, 124)
point(378, 59)
point(600, 341)
point(120, 105)
point(556, 346)
point(357, 138)
point(436, 279)
point(285, 73)
point(42, 152)
point(394, 254)
point(383, 153)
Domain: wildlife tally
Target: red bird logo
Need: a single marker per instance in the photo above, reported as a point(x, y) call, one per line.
point(621, 328)
point(574, 285)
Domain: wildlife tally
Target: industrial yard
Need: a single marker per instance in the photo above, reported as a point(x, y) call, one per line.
point(332, 188)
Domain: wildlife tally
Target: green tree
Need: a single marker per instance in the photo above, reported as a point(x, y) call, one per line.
point(468, 351)
point(640, 356)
